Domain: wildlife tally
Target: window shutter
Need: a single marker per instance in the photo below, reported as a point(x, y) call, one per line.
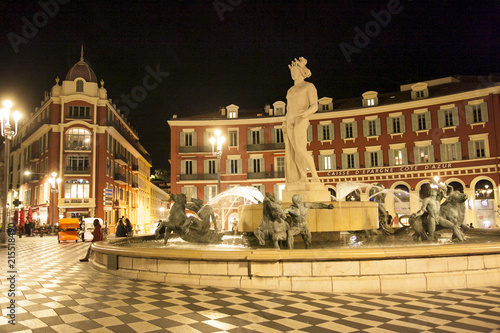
point(183, 139)
point(206, 166)
point(183, 167)
point(456, 120)
point(195, 193)
point(262, 165)
point(391, 157)
point(431, 153)
point(321, 162)
point(250, 165)
point(365, 128)
point(402, 123)
point(441, 118)
point(428, 124)
point(261, 137)
point(413, 95)
point(195, 167)
point(458, 149)
point(377, 126)
point(195, 141)
point(442, 152)
point(309, 133)
point(342, 131)
point(205, 193)
point(183, 190)
point(414, 122)
point(240, 166)
point(206, 138)
point(472, 154)
point(405, 156)
point(484, 111)
point(468, 114)
point(228, 166)
point(380, 158)
point(354, 129)
point(390, 127)
point(368, 161)
point(416, 158)
point(356, 160)
point(334, 162)
point(273, 135)
point(320, 132)
point(249, 137)
point(332, 131)
point(344, 161)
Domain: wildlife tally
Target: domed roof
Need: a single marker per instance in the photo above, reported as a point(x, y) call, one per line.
point(81, 69)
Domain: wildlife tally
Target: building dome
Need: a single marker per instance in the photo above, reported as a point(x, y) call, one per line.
point(83, 70)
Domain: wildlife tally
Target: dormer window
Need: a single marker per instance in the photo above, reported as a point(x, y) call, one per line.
point(419, 91)
point(325, 104)
point(79, 86)
point(280, 111)
point(279, 108)
point(232, 111)
point(370, 98)
point(232, 114)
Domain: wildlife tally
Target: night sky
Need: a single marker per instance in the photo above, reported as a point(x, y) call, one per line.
point(236, 51)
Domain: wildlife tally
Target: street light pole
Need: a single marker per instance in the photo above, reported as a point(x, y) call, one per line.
point(8, 133)
point(217, 143)
point(54, 189)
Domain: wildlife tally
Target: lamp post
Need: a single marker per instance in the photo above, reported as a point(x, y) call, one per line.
point(217, 143)
point(54, 188)
point(8, 133)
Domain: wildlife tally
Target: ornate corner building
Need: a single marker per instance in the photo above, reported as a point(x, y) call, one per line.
point(445, 127)
point(81, 136)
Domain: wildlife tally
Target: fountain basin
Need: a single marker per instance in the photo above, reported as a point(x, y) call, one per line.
point(338, 270)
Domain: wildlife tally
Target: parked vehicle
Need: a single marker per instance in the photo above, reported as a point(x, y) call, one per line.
point(68, 230)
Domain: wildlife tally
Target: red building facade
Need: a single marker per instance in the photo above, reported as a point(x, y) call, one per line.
point(444, 127)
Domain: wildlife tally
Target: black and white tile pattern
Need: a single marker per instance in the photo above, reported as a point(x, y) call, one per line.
point(57, 293)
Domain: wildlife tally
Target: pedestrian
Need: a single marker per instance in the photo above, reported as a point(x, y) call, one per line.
point(98, 236)
point(471, 226)
point(120, 229)
point(389, 218)
point(129, 228)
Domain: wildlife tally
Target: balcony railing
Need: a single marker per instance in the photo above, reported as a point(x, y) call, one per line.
point(34, 129)
point(120, 179)
point(135, 168)
point(32, 177)
point(119, 158)
point(76, 202)
point(135, 185)
point(266, 146)
point(195, 149)
point(35, 156)
point(84, 171)
point(199, 176)
point(135, 143)
point(263, 175)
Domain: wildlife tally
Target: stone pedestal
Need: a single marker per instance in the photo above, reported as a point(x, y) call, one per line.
point(310, 192)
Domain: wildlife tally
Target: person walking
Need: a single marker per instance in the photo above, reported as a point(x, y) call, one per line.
point(98, 236)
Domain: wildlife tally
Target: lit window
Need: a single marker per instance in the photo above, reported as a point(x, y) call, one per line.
point(78, 139)
point(77, 188)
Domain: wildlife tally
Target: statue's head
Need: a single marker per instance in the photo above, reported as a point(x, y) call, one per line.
point(298, 67)
point(297, 199)
point(178, 198)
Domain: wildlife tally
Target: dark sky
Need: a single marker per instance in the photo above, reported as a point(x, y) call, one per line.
point(240, 52)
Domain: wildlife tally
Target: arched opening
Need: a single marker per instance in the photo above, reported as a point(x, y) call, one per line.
point(353, 196)
point(79, 86)
point(78, 139)
point(457, 186)
point(484, 202)
point(402, 200)
point(333, 194)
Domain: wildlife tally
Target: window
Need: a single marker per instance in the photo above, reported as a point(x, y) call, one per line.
point(448, 117)
point(350, 161)
point(349, 130)
point(424, 154)
point(325, 132)
point(188, 167)
point(77, 164)
point(256, 165)
point(280, 166)
point(419, 90)
point(210, 192)
point(451, 151)
point(396, 125)
point(232, 114)
point(477, 113)
point(479, 150)
point(371, 127)
point(421, 121)
point(326, 160)
point(277, 135)
point(78, 112)
point(189, 191)
point(211, 167)
point(370, 102)
point(78, 139)
point(233, 166)
point(77, 188)
point(233, 138)
point(188, 139)
point(280, 111)
point(374, 159)
point(478, 146)
point(255, 137)
point(79, 86)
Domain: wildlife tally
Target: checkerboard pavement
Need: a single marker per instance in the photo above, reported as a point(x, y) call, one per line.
point(57, 293)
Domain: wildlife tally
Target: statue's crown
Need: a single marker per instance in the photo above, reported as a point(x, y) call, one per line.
point(302, 62)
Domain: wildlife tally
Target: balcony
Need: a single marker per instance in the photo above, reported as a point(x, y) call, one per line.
point(120, 159)
point(266, 175)
point(76, 202)
point(84, 171)
point(195, 149)
point(135, 168)
point(199, 176)
point(35, 157)
point(120, 203)
point(32, 177)
point(135, 143)
point(135, 185)
point(35, 128)
point(266, 146)
point(120, 179)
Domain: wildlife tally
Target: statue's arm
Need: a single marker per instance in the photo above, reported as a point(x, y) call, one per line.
point(318, 205)
point(312, 96)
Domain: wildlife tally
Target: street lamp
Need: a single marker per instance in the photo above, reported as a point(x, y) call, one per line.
point(217, 143)
point(8, 133)
point(54, 188)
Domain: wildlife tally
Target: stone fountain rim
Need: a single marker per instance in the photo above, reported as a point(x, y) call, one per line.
point(322, 254)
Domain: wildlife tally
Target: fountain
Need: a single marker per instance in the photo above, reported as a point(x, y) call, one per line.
point(341, 264)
